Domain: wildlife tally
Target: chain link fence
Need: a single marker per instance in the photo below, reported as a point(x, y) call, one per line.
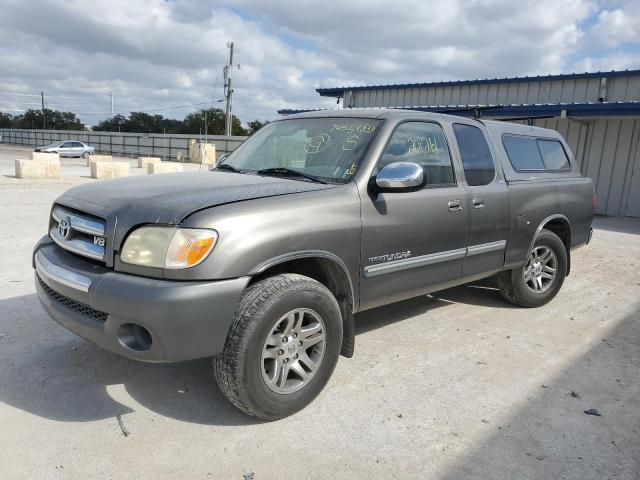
point(165, 146)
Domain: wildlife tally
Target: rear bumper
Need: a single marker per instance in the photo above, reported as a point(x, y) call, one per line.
point(184, 320)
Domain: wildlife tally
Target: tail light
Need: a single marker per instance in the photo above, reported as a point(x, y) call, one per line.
point(594, 201)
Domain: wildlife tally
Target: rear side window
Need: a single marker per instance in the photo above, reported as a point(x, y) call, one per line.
point(476, 155)
point(523, 153)
point(423, 143)
point(535, 154)
point(553, 155)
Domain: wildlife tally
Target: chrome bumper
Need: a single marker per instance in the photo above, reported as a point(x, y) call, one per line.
point(48, 270)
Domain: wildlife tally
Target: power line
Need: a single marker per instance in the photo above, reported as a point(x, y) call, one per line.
point(20, 94)
point(55, 96)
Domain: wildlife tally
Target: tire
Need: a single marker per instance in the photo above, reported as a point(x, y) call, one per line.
point(523, 286)
point(85, 155)
point(248, 363)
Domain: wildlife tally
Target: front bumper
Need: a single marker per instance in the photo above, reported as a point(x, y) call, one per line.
point(180, 320)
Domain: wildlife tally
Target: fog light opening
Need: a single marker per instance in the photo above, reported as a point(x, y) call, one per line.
point(135, 337)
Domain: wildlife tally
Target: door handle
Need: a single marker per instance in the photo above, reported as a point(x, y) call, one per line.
point(478, 202)
point(455, 205)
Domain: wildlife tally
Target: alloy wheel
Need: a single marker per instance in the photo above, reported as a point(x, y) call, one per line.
point(293, 351)
point(541, 269)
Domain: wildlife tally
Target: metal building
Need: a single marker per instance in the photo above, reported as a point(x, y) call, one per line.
point(597, 113)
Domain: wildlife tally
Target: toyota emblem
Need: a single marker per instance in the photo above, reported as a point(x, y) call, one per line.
point(64, 228)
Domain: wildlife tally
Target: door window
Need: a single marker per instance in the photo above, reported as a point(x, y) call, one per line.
point(476, 156)
point(66, 145)
point(77, 145)
point(425, 144)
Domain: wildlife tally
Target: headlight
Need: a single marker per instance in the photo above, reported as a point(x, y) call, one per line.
point(168, 247)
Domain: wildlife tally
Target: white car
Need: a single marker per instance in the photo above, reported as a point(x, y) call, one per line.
point(69, 148)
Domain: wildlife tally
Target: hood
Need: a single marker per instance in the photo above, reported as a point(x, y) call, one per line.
point(169, 197)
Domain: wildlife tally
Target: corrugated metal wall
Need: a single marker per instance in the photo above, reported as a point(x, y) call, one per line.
point(608, 151)
point(615, 89)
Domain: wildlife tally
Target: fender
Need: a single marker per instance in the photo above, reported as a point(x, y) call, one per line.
point(260, 268)
point(348, 337)
point(539, 229)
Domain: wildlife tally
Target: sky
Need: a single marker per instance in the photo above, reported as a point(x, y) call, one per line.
point(155, 55)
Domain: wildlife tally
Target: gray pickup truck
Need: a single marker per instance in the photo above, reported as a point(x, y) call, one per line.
point(263, 262)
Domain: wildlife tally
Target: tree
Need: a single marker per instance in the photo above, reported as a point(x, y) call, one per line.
point(195, 123)
point(6, 120)
point(113, 124)
point(32, 119)
point(256, 125)
point(137, 122)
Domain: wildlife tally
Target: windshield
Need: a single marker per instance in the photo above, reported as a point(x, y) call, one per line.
point(329, 149)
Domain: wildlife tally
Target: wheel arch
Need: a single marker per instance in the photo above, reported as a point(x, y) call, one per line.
point(560, 225)
point(326, 268)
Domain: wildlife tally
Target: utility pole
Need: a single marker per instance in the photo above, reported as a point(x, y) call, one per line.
point(228, 90)
point(44, 124)
point(111, 104)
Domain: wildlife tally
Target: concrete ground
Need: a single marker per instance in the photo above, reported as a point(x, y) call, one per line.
point(458, 384)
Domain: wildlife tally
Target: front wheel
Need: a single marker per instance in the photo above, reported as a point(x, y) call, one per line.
point(282, 347)
point(540, 278)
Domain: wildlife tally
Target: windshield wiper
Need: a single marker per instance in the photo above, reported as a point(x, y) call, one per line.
point(288, 172)
point(229, 168)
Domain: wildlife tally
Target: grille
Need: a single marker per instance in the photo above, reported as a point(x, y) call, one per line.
point(78, 232)
point(80, 308)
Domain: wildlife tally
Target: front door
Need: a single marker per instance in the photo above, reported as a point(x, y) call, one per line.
point(487, 203)
point(66, 149)
point(413, 241)
point(77, 149)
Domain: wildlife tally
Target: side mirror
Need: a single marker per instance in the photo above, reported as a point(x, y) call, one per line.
point(400, 176)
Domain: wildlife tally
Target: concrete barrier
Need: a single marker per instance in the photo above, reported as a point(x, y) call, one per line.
point(164, 167)
point(143, 161)
point(103, 169)
point(98, 158)
point(37, 168)
point(200, 152)
point(44, 156)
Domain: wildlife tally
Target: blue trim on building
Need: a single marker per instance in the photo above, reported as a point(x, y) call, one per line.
point(527, 111)
point(339, 91)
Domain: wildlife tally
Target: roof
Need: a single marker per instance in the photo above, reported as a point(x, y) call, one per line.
point(515, 110)
point(339, 91)
point(382, 113)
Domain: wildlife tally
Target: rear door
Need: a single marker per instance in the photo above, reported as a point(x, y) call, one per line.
point(78, 149)
point(414, 241)
point(487, 202)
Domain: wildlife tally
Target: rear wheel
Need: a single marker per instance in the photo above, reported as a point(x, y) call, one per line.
point(85, 155)
point(541, 277)
point(282, 347)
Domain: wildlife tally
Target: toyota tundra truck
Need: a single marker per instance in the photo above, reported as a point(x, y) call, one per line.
point(263, 262)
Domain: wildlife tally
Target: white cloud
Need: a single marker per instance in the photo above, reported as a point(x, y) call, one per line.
point(616, 27)
point(154, 53)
